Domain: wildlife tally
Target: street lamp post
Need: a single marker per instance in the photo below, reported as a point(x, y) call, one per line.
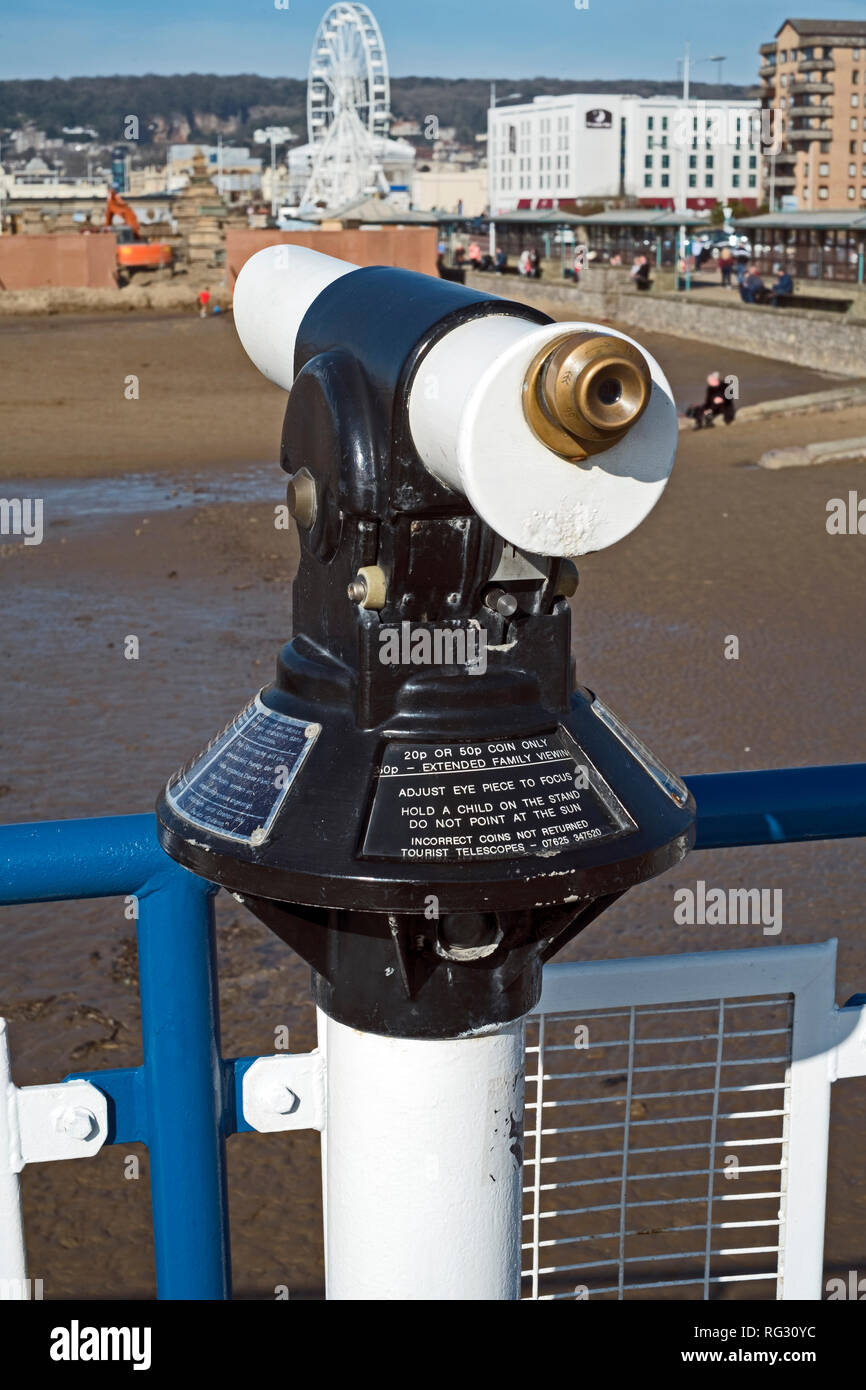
point(274, 135)
point(688, 62)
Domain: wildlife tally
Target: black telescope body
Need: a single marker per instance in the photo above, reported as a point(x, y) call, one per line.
point(423, 833)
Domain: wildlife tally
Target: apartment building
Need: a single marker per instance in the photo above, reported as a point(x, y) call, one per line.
point(659, 151)
point(813, 78)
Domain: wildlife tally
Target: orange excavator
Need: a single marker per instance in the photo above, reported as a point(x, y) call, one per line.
point(133, 252)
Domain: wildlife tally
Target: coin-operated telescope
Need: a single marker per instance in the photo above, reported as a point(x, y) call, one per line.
point(425, 804)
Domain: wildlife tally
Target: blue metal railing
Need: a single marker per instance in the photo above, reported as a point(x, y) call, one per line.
point(185, 1098)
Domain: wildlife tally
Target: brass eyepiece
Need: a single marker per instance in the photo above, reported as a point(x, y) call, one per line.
point(584, 392)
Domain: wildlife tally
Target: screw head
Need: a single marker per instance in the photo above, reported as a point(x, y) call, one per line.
point(77, 1122)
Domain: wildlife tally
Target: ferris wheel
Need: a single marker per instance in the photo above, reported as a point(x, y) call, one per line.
point(348, 105)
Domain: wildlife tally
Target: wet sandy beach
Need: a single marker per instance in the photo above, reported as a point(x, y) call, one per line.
point(159, 522)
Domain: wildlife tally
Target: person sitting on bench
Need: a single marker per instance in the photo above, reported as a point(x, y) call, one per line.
point(752, 289)
point(640, 273)
point(783, 286)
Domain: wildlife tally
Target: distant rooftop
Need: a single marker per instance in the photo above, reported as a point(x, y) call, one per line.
point(377, 211)
point(832, 28)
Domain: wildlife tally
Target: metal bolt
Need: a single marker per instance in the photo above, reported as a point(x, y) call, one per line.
point(301, 498)
point(78, 1123)
point(498, 601)
point(358, 590)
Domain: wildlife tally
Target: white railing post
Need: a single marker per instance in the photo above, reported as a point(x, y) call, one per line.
point(421, 1164)
point(13, 1261)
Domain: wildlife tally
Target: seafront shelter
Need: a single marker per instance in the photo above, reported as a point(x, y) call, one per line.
point(630, 232)
point(811, 245)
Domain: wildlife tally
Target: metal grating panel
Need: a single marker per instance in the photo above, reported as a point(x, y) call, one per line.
point(656, 1149)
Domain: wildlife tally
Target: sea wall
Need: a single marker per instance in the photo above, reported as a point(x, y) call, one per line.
point(828, 342)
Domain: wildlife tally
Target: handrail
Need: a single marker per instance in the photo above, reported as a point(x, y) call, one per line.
point(177, 1101)
point(183, 1101)
point(780, 806)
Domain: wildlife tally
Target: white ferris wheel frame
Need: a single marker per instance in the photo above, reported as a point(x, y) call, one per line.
point(348, 31)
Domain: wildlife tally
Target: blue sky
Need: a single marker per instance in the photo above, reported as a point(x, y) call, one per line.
point(448, 38)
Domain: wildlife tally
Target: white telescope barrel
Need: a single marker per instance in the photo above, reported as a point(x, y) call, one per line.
point(467, 417)
point(274, 290)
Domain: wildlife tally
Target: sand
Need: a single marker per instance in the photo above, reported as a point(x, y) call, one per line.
point(160, 522)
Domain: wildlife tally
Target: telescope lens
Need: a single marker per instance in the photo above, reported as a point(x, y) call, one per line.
point(609, 391)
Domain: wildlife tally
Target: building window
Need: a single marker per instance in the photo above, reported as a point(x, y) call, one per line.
point(650, 122)
point(736, 161)
point(851, 193)
point(853, 123)
point(693, 180)
point(753, 180)
point(855, 100)
point(852, 171)
point(666, 180)
point(693, 161)
point(664, 122)
point(666, 161)
point(664, 142)
point(735, 180)
point(824, 170)
point(823, 193)
point(710, 161)
point(708, 180)
point(649, 140)
point(647, 180)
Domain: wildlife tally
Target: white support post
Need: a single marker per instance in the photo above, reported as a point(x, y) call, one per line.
point(38, 1124)
point(421, 1163)
point(13, 1262)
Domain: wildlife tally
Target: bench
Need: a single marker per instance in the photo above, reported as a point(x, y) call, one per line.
point(813, 301)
